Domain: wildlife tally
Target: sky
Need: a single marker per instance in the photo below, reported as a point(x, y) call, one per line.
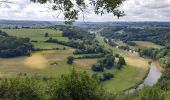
point(135, 10)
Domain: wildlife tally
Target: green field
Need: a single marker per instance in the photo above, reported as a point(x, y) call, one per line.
point(54, 63)
point(141, 44)
point(36, 34)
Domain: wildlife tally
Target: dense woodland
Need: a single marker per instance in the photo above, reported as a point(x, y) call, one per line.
point(157, 35)
point(163, 55)
point(12, 46)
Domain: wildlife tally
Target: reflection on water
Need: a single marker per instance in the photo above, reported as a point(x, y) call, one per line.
point(153, 75)
point(150, 80)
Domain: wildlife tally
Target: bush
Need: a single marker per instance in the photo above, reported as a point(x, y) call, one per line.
point(164, 81)
point(97, 68)
point(20, 89)
point(70, 60)
point(106, 76)
point(76, 86)
point(46, 34)
point(151, 94)
point(121, 61)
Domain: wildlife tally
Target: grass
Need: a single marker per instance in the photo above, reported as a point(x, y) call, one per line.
point(44, 63)
point(48, 45)
point(142, 44)
point(36, 34)
point(124, 78)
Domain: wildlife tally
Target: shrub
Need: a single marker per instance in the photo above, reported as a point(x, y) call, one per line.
point(121, 61)
point(20, 89)
point(70, 60)
point(151, 94)
point(97, 68)
point(106, 76)
point(76, 86)
point(46, 34)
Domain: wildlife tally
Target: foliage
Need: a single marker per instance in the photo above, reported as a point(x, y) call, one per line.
point(157, 35)
point(82, 47)
point(20, 89)
point(90, 56)
point(106, 76)
point(97, 68)
point(164, 81)
point(76, 86)
point(151, 94)
point(107, 62)
point(3, 33)
point(71, 10)
point(148, 52)
point(162, 55)
point(46, 34)
point(121, 61)
point(13, 46)
point(70, 60)
point(76, 33)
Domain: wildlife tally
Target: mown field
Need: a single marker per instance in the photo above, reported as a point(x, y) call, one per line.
point(54, 63)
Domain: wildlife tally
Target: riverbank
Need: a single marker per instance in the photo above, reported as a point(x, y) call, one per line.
point(151, 78)
point(131, 75)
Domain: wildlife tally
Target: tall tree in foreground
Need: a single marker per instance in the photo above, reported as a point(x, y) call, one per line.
point(71, 9)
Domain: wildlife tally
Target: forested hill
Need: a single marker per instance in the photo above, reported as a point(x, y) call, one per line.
point(12, 46)
point(157, 35)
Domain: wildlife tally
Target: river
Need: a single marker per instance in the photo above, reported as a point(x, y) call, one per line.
point(151, 79)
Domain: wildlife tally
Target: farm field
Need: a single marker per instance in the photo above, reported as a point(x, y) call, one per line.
point(43, 63)
point(54, 63)
point(36, 34)
point(141, 44)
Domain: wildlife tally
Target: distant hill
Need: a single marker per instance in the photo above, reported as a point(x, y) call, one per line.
point(22, 23)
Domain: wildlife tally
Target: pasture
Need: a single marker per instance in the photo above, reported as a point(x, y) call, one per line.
point(36, 34)
point(142, 44)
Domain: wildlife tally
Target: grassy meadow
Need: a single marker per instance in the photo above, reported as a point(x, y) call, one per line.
point(141, 44)
point(54, 63)
point(36, 34)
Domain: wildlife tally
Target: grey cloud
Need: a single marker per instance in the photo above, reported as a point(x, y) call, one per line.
point(135, 10)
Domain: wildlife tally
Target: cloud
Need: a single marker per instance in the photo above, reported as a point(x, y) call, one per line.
point(135, 10)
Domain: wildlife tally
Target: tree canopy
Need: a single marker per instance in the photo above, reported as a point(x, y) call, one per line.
point(71, 9)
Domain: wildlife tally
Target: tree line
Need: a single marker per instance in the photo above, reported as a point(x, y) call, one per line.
point(11, 46)
point(156, 35)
